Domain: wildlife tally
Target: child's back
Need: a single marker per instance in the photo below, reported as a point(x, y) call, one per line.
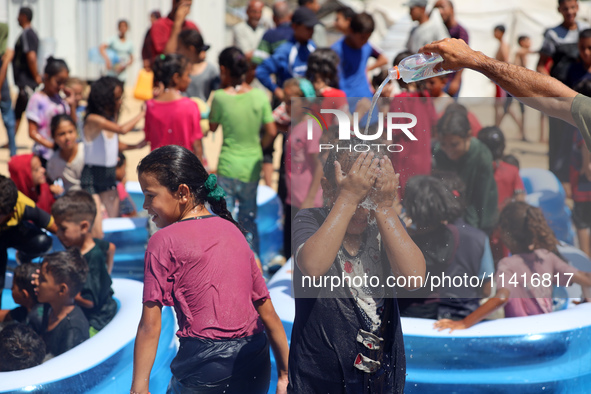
point(172, 123)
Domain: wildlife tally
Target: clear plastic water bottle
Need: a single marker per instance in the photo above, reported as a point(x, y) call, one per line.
point(417, 67)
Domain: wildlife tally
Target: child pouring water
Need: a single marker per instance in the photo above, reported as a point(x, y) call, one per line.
point(532, 243)
point(349, 339)
point(172, 119)
point(201, 264)
point(101, 145)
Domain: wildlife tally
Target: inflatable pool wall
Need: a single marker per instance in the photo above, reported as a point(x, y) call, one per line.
point(536, 354)
point(104, 363)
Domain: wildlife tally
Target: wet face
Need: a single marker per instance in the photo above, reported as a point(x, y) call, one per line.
point(341, 23)
point(568, 9)
point(37, 171)
point(162, 205)
point(585, 51)
point(48, 290)
point(445, 9)
point(55, 84)
point(454, 146)
point(71, 233)
point(65, 135)
point(301, 33)
point(358, 40)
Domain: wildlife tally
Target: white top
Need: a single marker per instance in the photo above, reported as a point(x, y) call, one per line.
point(70, 173)
point(101, 151)
point(246, 38)
point(432, 30)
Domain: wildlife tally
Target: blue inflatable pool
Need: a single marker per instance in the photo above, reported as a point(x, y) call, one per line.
point(102, 364)
point(536, 354)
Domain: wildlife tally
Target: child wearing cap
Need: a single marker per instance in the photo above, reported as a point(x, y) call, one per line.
point(205, 77)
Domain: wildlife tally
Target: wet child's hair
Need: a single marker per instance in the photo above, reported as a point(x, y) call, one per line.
point(166, 66)
point(235, 62)
point(74, 206)
point(67, 267)
point(323, 63)
point(454, 121)
point(494, 139)
point(101, 100)
point(20, 348)
point(23, 275)
point(526, 226)
point(429, 203)
point(192, 38)
point(362, 23)
point(57, 120)
point(172, 166)
point(55, 66)
point(510, 159)
point(454, 184)
point(8, 196)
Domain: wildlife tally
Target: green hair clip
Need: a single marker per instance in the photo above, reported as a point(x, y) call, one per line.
point(214, 191)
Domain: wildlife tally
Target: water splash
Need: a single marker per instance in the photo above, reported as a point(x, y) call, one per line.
point(374, 101)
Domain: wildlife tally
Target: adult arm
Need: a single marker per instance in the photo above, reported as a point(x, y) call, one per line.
point(268, 67)
point(179, 19)
point(478, 315)
point(146, 345)
point(538, 91)
point(32, 63)
point(404, 256)
point(278, 339)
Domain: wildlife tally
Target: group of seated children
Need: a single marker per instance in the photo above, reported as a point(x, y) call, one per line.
point(68, 298)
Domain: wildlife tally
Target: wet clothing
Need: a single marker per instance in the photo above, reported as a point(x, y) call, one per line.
point(330, 345)
point(70, 332)
point(32, 318)
point(98, 287)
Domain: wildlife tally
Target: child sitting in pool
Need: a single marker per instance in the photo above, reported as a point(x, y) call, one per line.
point(524, 280)
point(30, 310)
point(349, 339)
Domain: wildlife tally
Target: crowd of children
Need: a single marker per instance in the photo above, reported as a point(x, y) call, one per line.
point(460, 198)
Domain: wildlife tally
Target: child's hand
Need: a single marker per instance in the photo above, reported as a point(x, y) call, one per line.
point(386, 187)
point(444, 324)
point(70, 97)
point(360, 179)
point(56, 190)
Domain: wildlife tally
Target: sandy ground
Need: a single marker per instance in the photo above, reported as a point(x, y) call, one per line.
point(530, 154)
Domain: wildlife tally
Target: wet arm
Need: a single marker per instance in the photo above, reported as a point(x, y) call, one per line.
point(277, 337)
point(146, 345)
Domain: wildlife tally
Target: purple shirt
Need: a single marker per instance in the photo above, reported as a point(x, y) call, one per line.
point(526, 269)
point(458, 32)
point(41, 109)
point(205, 269)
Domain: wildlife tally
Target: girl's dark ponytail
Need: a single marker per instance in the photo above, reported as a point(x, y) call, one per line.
point(220, 208)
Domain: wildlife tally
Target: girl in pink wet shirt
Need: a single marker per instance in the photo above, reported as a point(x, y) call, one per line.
point(525, 279)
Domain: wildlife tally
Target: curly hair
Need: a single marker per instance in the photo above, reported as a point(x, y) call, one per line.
point(20, 348)
point(166, 66)
point(8, 196)
point(525, 225)
point(101, 100)
point(323, 63)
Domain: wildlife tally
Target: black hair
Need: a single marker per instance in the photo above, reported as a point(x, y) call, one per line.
point(362, 23)
point(454, 121)
point(67, 267)
point(120, 160)
point(101, 100)
point(75, 206)
point(27, 12)
point(323, 63)
point(583, 87)
point(20, 348)
point(166, 66)
point(302, 3)
point(55, 66)
point(521, 38)
point(429, 203)
point(377, 79)
point(123, 21)
point(454, 184)
point(235, 62)
point(585, 34)
point(57, 120)
point(347, 12)
point(494, 139)
point(156, 14)
point(172, 166)
point(500, 28)
point(8, 196)
point(23, 275)
point(192, 38)
point(510, 159)
point(526, 225)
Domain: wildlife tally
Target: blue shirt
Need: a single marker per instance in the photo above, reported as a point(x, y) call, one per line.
point(290, 60)
point(272, 40)
point(352, 75)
